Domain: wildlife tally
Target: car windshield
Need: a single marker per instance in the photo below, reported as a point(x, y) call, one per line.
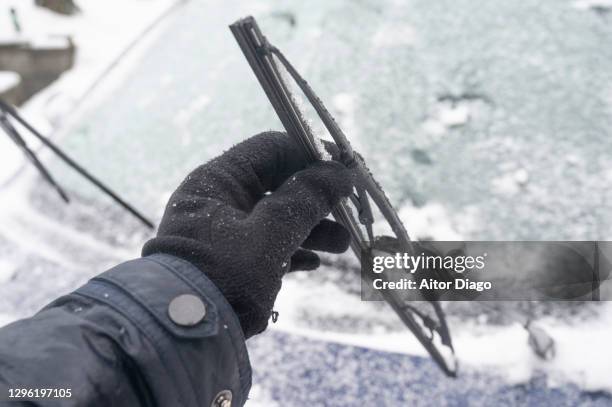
point(483, 120)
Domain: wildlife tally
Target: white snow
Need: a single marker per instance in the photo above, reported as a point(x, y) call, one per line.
point(447, 115)
point(100, 32)
point(394, 35)
point(583, 352)
point(434, 127)
point(8, 80)
point(7, 270)
point(453, 114)
point(6, 319)
point(431, 220)
point(573, 160)
point(258, 398)
point(511, 183)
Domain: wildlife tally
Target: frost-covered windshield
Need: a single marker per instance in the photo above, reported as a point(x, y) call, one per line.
point(482, 119)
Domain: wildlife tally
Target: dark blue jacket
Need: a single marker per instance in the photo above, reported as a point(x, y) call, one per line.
point(113, 342)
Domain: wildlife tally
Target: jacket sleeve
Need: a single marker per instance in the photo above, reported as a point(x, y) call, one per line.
point(149, 332)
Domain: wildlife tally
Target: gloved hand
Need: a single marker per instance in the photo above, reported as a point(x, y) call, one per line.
point(222, 220)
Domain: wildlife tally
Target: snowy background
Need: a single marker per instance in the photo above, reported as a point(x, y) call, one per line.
point(483, 120)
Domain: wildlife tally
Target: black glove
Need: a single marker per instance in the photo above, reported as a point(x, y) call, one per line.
point(221, 220)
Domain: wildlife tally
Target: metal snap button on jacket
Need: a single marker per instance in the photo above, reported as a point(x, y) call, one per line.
point(186, 310)
point(223, 399)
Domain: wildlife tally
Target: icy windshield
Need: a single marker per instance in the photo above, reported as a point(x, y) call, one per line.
point(481, 119)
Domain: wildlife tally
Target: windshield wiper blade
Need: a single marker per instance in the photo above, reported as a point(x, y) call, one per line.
point(434, 335)
point(14, 135)
point(7, 111)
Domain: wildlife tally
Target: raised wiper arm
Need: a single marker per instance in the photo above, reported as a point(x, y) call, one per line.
point(260, 55)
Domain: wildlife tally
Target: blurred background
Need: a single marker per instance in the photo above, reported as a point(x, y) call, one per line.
point(483, 120)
